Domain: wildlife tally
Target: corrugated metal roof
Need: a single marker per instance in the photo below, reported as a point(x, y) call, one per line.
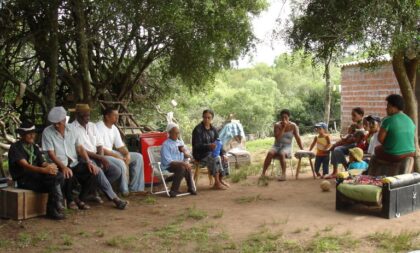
point(382, 58)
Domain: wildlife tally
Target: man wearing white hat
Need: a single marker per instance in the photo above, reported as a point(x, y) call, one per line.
point(133, 181)
point(64, 147)
point(172, 156)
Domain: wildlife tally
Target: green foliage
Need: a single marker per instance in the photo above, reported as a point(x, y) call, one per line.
point(255, 96)
point(402, 242)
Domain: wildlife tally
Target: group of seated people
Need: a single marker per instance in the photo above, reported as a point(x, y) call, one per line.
point(368, 140)
point(95, 156)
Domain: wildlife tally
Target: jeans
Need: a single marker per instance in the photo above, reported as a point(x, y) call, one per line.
point(214, 165)
point(338, 155)
point(324, 161)
point(134, 180)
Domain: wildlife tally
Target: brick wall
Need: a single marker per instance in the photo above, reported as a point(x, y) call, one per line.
point(366, 88)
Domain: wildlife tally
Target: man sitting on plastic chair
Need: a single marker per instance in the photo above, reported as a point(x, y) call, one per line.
point(172, 155)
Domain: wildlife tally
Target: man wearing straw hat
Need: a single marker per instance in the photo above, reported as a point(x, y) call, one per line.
point(64, 148)
point(29, 168)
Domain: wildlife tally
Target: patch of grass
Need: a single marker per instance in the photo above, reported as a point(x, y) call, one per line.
point(51, 249)
point(260, 144)
point(328, 228)
point(196, 214)
point(5, 243)
point(84, 234)
point(250, 199)
point(67, 240)
point(238, 176)
point(24, 240)
point(150, 200)
point(218, 214)
point(263, 181)
point(122, 242)
point(99, 233)
point(262, 241)
point(297, 231)
point(403, 241)
point(336, 243)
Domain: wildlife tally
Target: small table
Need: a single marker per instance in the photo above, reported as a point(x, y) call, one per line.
point(301, 154)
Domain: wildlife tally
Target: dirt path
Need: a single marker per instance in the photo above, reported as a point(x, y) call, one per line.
point(297, 208)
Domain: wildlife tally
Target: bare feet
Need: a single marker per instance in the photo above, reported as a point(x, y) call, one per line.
point(218, 187)
point(332, 176)
point(224, 183)
point(282, 178)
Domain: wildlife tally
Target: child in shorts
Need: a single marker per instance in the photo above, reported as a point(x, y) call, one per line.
point(323, 144)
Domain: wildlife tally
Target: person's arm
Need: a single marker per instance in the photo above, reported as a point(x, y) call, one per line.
point(198, 142)
point(125, 153)
point(297, 136)
point(313, 143)
point(50, 169)
point(278, 130)
point(111, 153)
point(328, 142)
point(82, 153)
point(382, 135)
point(67, 172)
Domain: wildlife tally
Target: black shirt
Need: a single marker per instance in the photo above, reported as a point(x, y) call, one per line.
point(201, 140)
point(17, 153)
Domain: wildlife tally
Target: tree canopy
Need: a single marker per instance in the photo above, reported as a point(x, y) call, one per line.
point(67, 51)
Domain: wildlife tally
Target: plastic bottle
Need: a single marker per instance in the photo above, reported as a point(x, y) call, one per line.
point(216, 151)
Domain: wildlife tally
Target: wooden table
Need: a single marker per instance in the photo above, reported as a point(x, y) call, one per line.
point(305, 154)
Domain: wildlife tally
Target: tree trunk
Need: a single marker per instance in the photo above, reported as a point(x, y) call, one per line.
point(407, 82)
point(50, 89)
point(327, 101)
point(82, 49)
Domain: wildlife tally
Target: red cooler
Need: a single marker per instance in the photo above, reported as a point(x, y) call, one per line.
point(149, 140)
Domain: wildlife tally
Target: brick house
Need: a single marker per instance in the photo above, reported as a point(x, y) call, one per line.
point(367, 88)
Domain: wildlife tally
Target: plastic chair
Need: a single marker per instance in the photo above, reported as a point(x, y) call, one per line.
point(154, 156)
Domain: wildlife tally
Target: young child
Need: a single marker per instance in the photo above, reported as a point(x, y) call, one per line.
point(360, 140)
point(372, 139)
point(356, 164)
point(323, 143)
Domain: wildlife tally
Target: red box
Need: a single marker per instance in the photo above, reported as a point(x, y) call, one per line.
point(149, 140)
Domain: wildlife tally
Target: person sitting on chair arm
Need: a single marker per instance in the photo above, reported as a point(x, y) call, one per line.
point(172, 155)
point(29, 168)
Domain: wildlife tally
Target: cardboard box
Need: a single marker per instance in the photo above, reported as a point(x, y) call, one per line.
point(20, 204)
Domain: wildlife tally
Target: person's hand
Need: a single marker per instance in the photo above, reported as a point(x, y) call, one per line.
point(93, 169)
point(51, 169)
point(105, 163)
point(127, 160)
point(188, 166)
point(212, 146)
point(187, 156)
point(67, 172)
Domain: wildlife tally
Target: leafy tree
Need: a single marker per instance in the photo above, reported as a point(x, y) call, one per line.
point(375, 27)
point(118, 49)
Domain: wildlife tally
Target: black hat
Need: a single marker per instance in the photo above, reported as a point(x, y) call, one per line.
point(26, 127)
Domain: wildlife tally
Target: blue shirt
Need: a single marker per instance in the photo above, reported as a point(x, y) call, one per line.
point(358, 165)
point(170, 152)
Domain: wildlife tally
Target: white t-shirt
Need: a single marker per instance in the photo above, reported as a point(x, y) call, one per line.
point(373, 143)
point(111, 136)
point(89, 135)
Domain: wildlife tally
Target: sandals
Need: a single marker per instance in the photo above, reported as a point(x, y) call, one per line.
point(120, 204)
point(82, 205)
point(72, 206)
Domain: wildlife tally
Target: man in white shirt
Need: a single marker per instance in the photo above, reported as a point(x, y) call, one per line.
point(92, 142)
point(117, 153)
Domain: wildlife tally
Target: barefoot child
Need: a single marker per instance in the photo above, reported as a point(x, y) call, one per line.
point(323, 144)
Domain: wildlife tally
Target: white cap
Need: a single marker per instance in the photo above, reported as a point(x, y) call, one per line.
point(170, 126)
point(57, 114)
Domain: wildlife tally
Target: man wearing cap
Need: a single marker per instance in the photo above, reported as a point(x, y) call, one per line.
point(63, 146)
point(29, 168)
point(93, 143)
point(133, 181)
point(172, 156)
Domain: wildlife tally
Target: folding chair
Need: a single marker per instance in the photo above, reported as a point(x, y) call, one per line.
point(154, 156)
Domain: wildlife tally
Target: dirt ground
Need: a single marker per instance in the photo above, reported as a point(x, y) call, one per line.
point(296, 209)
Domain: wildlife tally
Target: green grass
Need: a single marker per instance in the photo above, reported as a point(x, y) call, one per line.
point(262, 241)
point(242, 173)
point(5, 243)
point(260, 144)
point(67, 240)
point(99, 233)
point(218, 214)
point(402, 242)
point(250, 199)
point(196, 214)
point(150, 200)
point(329, 243)
point(24, 240)
point(122, 242)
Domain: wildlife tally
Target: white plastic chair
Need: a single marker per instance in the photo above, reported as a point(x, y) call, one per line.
point(154, 156)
